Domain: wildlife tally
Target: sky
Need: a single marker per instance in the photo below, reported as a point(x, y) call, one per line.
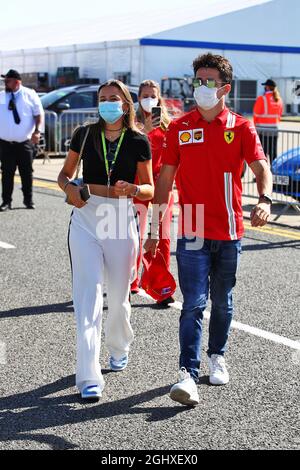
point(20, 13)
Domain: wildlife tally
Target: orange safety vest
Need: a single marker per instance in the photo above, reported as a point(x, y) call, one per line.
point(267, 112)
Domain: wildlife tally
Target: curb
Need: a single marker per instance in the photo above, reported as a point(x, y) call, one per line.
point(277, 224)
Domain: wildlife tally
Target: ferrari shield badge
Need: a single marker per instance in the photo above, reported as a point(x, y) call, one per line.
point(229, 137)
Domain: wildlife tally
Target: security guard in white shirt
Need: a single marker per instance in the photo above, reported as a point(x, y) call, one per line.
point(21, 120)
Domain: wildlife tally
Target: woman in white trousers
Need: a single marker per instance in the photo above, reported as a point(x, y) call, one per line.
point(103, 236)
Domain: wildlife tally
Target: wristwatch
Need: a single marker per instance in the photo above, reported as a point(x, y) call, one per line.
point(266, 198)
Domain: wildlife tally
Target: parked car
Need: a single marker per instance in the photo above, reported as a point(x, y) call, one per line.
point(79, 103)
point(77, 97)
point(286, 173)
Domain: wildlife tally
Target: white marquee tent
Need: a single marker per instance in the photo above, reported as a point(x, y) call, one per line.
point(260, 37)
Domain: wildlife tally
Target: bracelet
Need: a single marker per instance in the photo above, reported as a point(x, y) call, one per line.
point(68, 182)
point(137, 191)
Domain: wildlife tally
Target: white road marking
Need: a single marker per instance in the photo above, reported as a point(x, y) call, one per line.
point(242, 327)
point(6, 246)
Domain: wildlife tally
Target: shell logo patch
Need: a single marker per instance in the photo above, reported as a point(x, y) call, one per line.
point(229, 137)
point(185, 137)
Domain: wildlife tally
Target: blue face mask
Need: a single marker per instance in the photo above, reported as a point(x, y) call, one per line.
point(110, 111)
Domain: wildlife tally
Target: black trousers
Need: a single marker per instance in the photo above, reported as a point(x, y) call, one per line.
point(12, 156)
point(269, 138)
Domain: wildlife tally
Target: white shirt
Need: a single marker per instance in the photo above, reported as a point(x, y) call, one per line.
point(28, 105)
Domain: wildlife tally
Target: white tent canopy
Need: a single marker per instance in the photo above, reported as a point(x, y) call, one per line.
point(260, 37)
point(117, 28)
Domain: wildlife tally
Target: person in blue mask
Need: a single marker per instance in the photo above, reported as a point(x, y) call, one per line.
point(103, 233)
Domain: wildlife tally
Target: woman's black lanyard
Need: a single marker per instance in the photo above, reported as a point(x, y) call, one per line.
point(110, 170)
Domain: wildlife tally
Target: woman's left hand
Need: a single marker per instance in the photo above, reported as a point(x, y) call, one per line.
point(122, 188)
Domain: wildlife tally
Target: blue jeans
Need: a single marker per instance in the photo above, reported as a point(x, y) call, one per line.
point(212, 267)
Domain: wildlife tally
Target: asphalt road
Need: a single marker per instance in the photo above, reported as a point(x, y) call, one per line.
point(39, 405)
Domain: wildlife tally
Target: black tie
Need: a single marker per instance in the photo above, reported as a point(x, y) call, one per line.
point(14, 109)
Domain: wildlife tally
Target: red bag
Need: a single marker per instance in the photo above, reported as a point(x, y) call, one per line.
point(156, 279)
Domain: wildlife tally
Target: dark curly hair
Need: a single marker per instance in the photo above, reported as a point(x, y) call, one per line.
point(215, 62)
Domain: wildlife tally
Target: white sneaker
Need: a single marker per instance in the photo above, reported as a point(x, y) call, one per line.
point(185, 391)
point(118, 364)
point(91, 393)
point(218, 374)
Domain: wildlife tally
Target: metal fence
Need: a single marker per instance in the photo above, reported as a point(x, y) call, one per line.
point(59, 129)
point(48, 142)
point(68, 121)
point(283, 151)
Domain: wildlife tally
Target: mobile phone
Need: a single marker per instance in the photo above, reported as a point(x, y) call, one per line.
point(85, 193)
point(156, 113)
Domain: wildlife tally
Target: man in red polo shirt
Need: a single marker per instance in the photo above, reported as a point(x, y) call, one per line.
point(205, 149)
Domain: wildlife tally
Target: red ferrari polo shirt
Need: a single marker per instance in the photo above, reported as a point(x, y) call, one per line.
point(210, 158)
point(156, 138)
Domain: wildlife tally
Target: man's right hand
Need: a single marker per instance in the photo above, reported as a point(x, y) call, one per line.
point(73, 194)
point(151, 245)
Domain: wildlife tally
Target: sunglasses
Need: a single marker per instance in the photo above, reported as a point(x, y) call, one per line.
point(208, 82)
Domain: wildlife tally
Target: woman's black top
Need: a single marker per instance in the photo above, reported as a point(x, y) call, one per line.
point(134, 148)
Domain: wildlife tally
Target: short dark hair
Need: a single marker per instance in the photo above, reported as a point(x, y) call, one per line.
point(217, 62)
